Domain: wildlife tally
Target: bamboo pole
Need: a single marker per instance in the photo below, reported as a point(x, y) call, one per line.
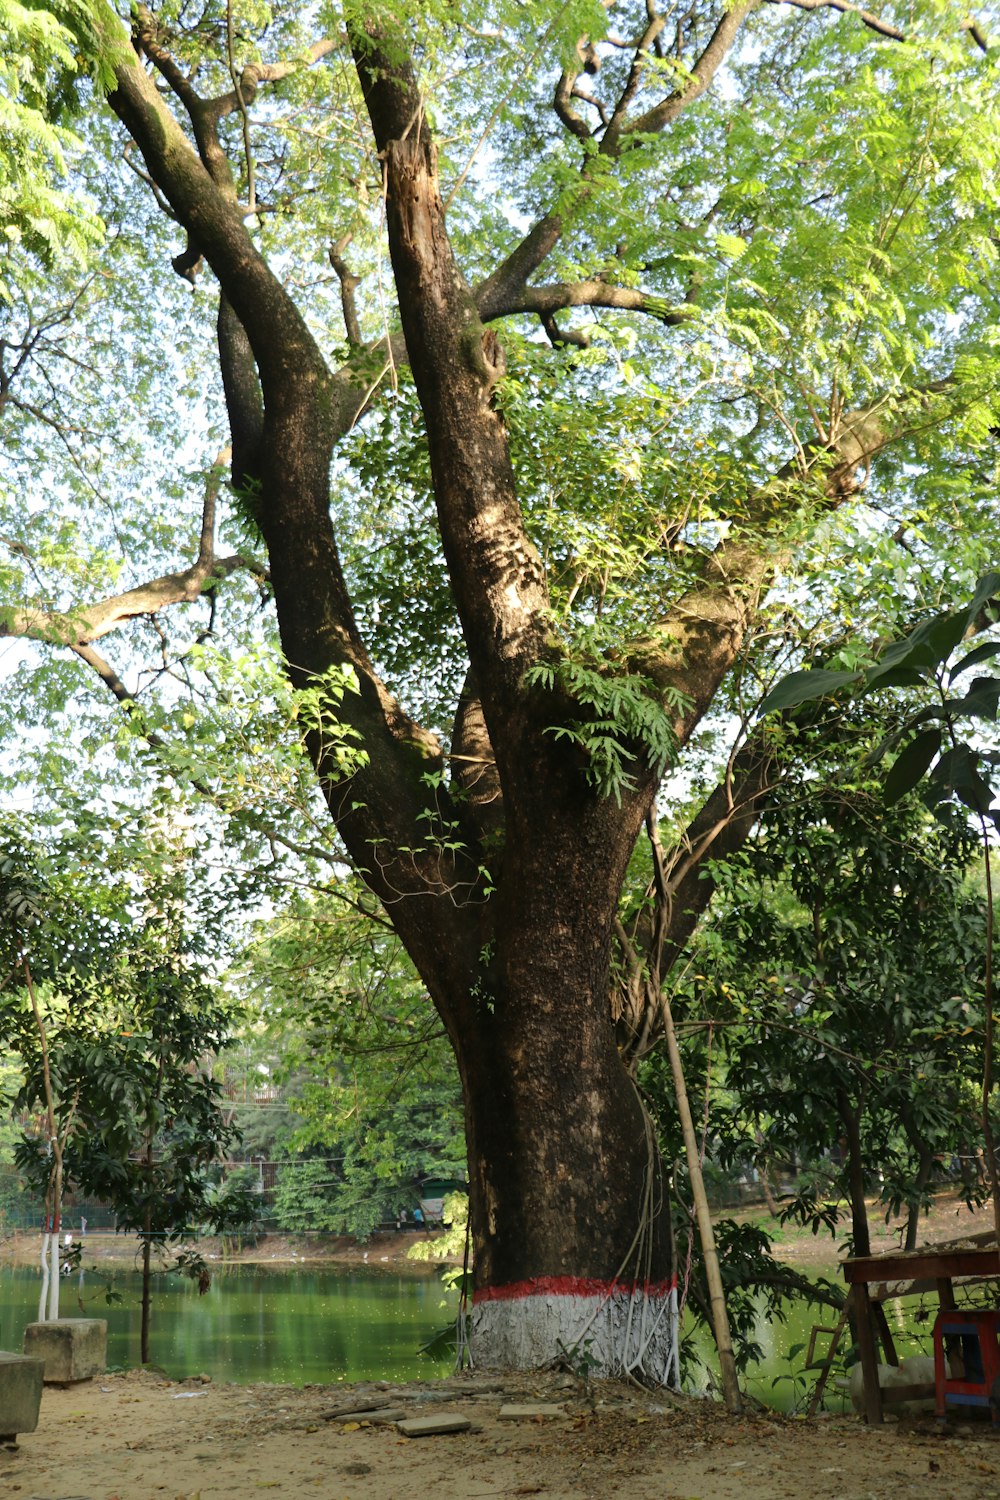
point(706, 1234)
point(713, 1274)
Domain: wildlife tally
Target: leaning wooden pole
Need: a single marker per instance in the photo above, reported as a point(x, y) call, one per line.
point(713, 1273)
point(706, 1234)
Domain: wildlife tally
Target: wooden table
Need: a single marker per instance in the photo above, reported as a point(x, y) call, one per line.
point(903, 1273)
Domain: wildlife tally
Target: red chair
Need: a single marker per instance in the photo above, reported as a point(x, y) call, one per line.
point(978, 1333)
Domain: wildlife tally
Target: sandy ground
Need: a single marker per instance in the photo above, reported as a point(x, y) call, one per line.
point(138, 1437)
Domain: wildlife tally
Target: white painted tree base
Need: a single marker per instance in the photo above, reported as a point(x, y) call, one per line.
point(603, 1328)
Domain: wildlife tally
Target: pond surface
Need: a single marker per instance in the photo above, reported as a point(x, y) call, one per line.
point(344, 1323)
point(256, 1324)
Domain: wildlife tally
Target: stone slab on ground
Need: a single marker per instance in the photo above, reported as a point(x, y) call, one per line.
point(71, 1349)
point(361, 1406)
point(431, 1426)
point(373, 1415)
point(518, 1413)
point(20, 1393)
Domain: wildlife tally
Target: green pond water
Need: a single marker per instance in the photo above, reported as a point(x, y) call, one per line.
point(255, 1324)
point(347, 1323)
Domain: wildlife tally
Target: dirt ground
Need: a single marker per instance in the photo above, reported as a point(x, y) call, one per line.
point(138, 1437)
point(948, 1219)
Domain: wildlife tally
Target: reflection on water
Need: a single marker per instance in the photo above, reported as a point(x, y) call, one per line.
point(255, 1324)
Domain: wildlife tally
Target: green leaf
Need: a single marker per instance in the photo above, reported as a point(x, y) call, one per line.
point(986, 589)
point(805, 687)
point(911, 765)
point(981, 653)
point(980, 702)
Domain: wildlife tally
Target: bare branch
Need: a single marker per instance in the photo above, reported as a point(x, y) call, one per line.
point(349, 284)
point(560, 338)
point(241, 104)
point(874, 23)
point(161, 202)
point(631, 88)
point(570, 117)
point(978, 35)
point(700, 78)
point(254, 74)
point(512, 276)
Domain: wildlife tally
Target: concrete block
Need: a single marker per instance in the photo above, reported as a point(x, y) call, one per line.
point(431, 1426)
point(20, 1394)
point(515, 1413)
point(71, 1348)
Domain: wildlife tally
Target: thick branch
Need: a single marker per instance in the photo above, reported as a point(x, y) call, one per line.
point(349, 284)
point(718, 830)
point(698, 81)
point(631, 88)
point(496, 573)
point(571, 118)
point(244, 403)
point(254, 74)
point(383, 806)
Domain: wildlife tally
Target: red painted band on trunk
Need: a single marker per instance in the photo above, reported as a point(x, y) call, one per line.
point(571, 1286)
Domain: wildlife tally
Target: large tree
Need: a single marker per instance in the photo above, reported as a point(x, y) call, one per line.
point(664, 291)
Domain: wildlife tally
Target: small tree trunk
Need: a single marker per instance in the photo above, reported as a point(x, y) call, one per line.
point(764, 1168)
point(146, 1299)
point(851, 1118)
point(54, 1196)
point(43, 1296)
point(55, 1280)
point(913, 1207)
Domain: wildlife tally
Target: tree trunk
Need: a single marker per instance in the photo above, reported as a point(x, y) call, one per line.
point(46, 1264)
point(851, 1118)
point(764, 1170)
point(913, 1207)
point(569, 1209)
point(54, 1282)
point(147, 1281)
point(506, 903)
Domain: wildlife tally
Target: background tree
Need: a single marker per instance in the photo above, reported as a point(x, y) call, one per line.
point(845, 967)
point(115, 1031)
point(798, 312)
point(364, 1064)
